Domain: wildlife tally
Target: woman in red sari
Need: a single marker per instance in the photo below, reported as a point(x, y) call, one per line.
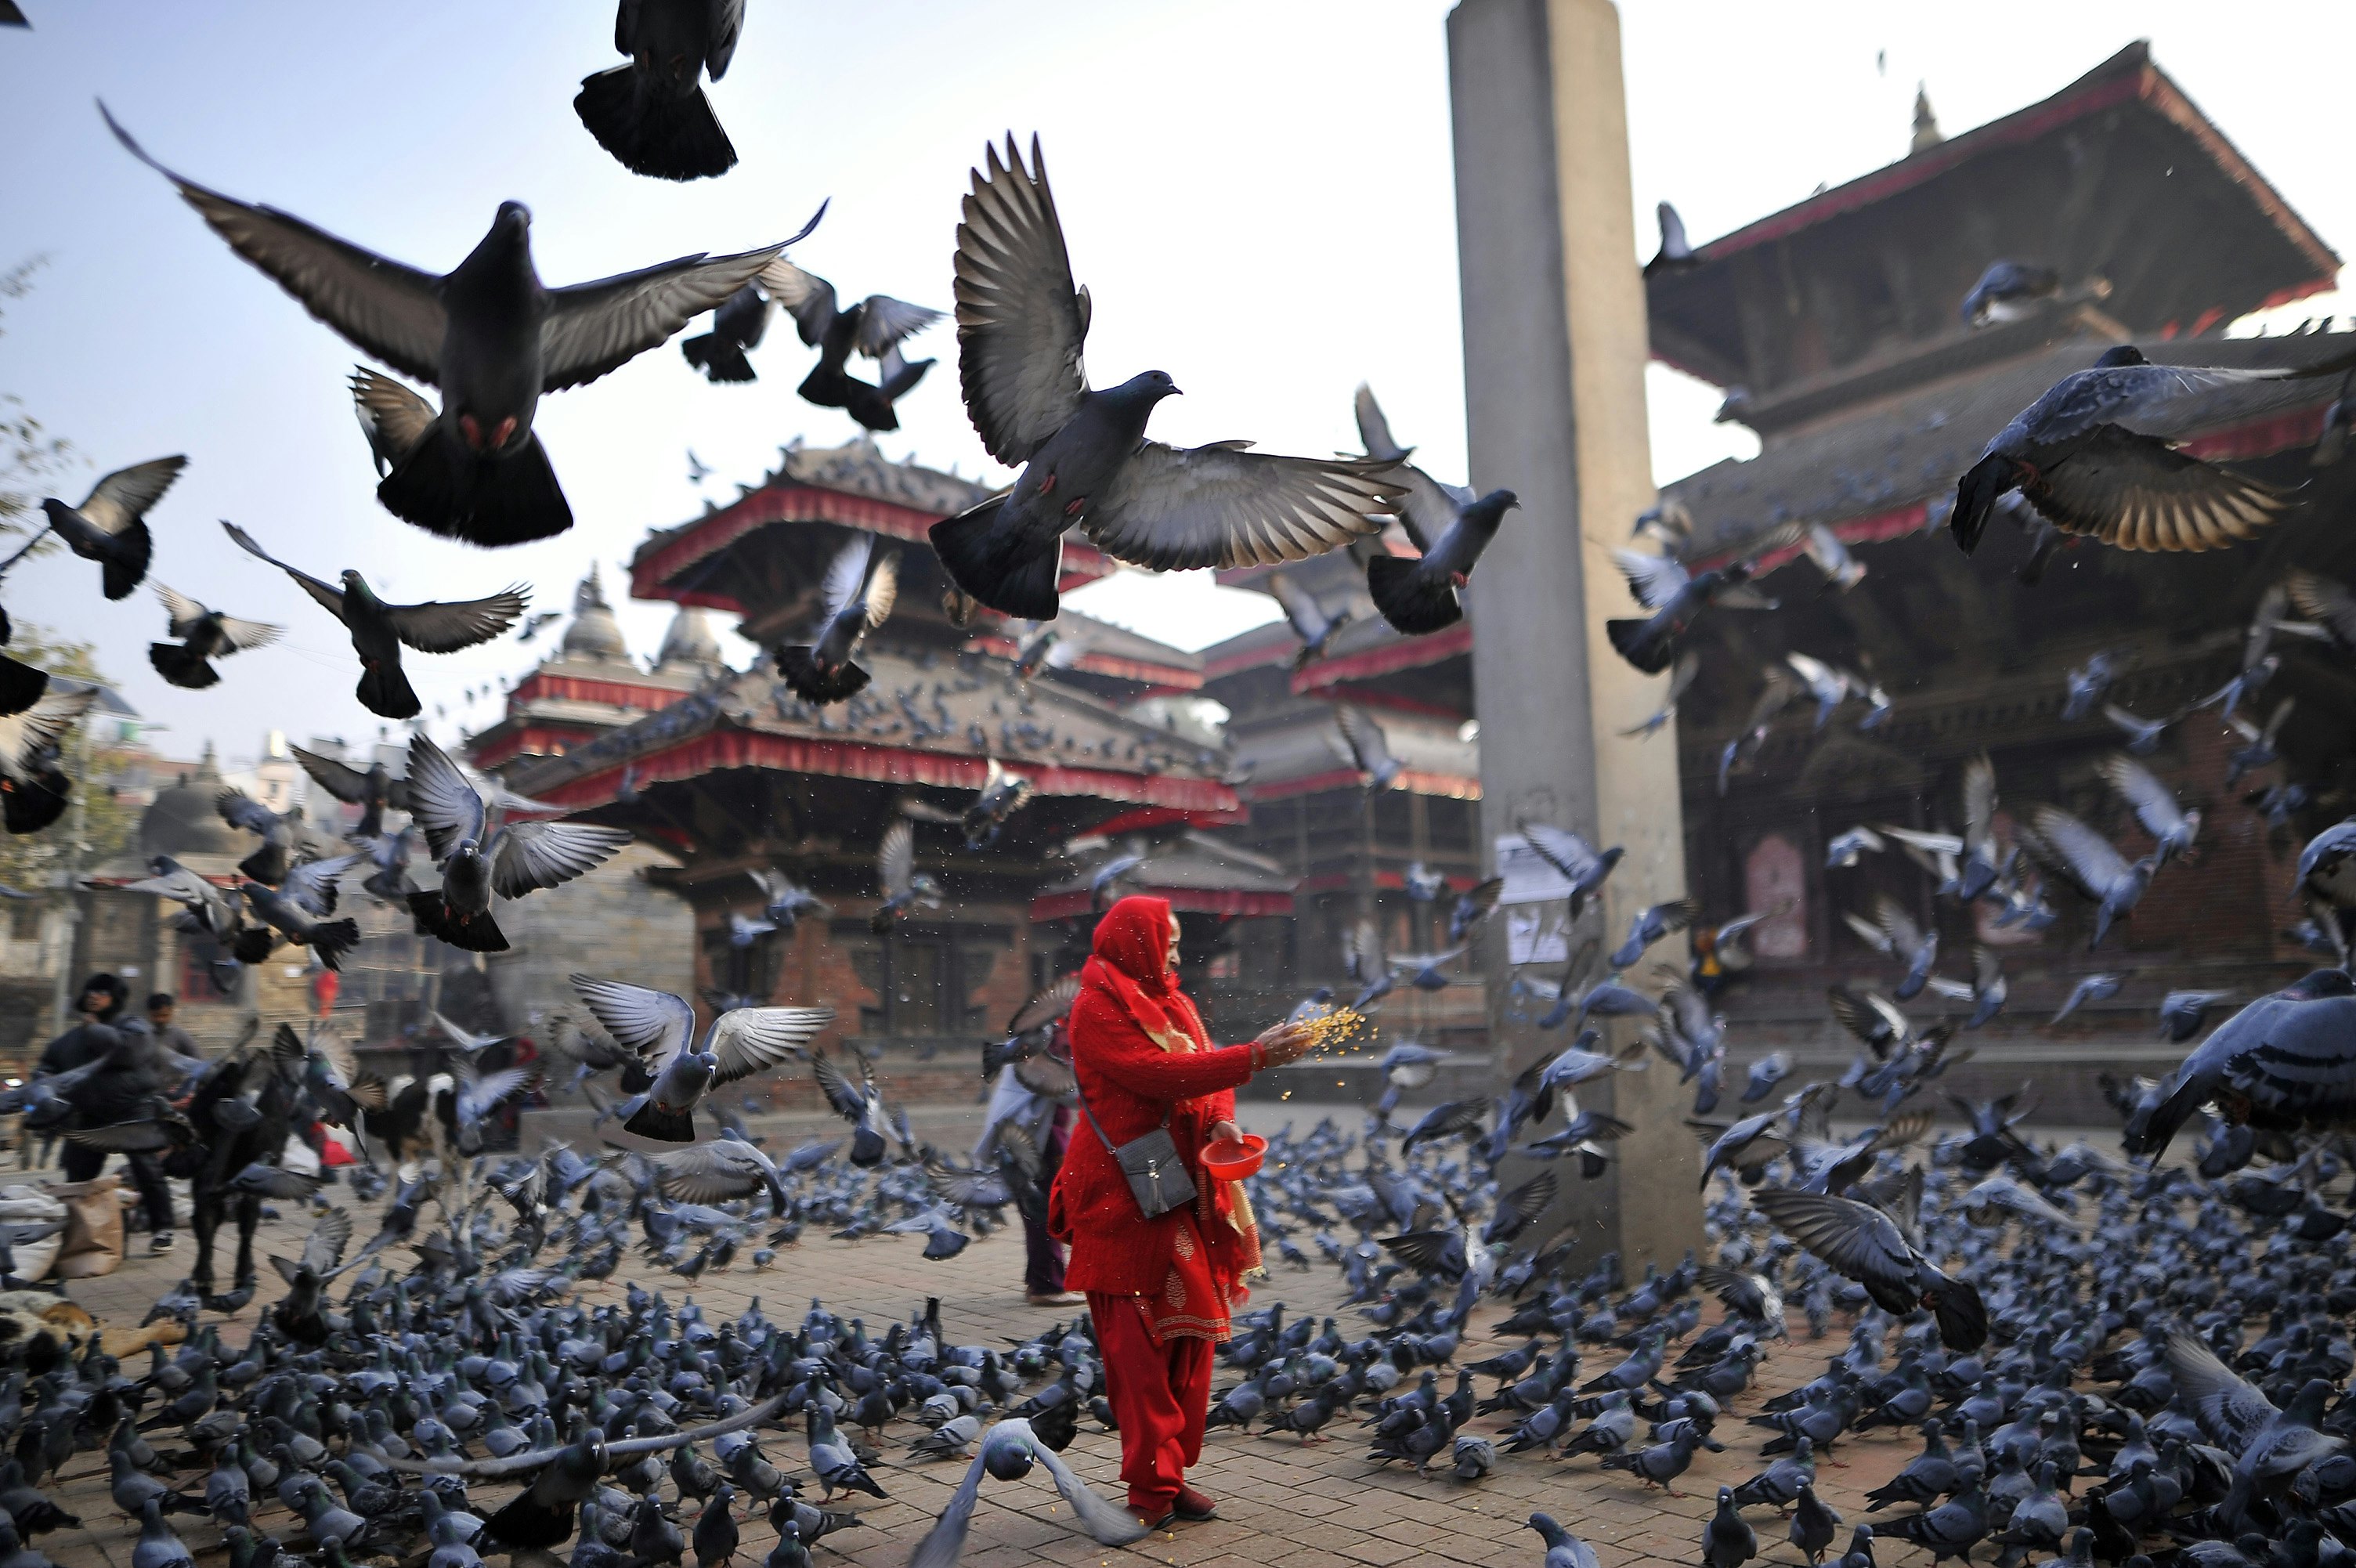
point(1158, 1289)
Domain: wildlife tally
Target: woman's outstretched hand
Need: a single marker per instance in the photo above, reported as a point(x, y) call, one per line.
point(1282, 1043)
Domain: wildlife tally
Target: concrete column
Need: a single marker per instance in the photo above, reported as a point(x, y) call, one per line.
point(1555, 348)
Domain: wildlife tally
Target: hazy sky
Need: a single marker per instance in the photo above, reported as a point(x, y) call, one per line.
point(1259, 196)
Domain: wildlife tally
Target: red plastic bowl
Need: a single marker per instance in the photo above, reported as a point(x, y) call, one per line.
point(1233, 1162)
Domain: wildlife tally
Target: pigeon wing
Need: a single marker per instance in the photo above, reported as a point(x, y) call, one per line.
point(2152, 805)
point(2086, 856)
point(1020, 322)
point(807, 296)
point(1426, 509)
point(181, 613)
point(752, 1039)
point(324, 1248)
point(1564, 850)
point(1373, 429)
point(38, 727)
point(1855, 1238)
point(312, 884)
point(2321, 599)
point(541, 854)
point(654, 1024)
point(1653, 579)
point(342, 780)
point(594, 327)
point(1045, 1006)
point(844, 575)
point(706, 1173)
point(724, 25)
point(439, 627)
point(885, 321)
point(944, 1544)
point(330, 599)
point(383, 307)
point(1109, 1525)
point(1364, 736)
point(849, 1101)
point(1299, 606)
point(1172, 508)
point(2230, 1410)
point(895, 857)
point(441, 801)
point(123, 497)
point(2138, 492)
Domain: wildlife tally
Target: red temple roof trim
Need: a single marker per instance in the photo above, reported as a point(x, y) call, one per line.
point(1384, 659)
point(652, 571)
point(1162, 816)
point(718, 749)
point(617, 694)
point(502, 744)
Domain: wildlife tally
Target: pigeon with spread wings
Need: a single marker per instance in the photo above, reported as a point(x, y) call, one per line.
point(2097, 455)
point(480, 856)
point(1862, 1243)
point(371, 790)
point(379, 630)
point(1447, 525)
point(2091, 864)
point(488, 334)
point(660, 1029)
point(205, 635)
point(1677, 598)
point(1009, 1449)
point(111, 526)
point(861, 585)
point(650, 113)
point(858, 1103)
point(874, 328)
point(1083, 453)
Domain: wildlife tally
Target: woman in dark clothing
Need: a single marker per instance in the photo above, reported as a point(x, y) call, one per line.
point(118, 1092)
point(1159, 1289)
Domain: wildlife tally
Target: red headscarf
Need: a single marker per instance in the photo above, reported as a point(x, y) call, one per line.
point(1132, 965)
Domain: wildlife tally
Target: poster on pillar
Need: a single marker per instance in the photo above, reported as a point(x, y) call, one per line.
point(1537, 936)
point(1530, 877)
point(1537, 917)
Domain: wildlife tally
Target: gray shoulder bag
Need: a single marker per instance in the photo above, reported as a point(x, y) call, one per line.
point(1157, 1176)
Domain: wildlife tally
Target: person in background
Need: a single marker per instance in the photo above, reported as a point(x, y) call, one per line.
point(118, 1092)
point(178, 1050)
point(1045, 1121)
point(1160, 1288)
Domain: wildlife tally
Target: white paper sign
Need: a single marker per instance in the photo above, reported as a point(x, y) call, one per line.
point(1535, 935)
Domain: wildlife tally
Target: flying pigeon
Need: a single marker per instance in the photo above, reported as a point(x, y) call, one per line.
point(488, 334)
point(660, 1029)
point(205, 635)
point(109, 526)
point(861, 585)
point(875, 329)
point(1083, 453)
point(650, 113)
point(480, 856)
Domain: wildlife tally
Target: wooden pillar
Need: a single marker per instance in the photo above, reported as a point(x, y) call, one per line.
point(1555, 348)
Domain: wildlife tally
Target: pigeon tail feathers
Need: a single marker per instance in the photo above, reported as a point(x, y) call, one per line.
point(1977, 495)
point(651, 1121)
point(125, 566)
point(651, 133)
point(813, 682)
point(331, 939)
point(180, 667)
point(490, 501)
point(1003, 574)
point(434, 917)
point(384, 691)
point(719, 359)
point(1414, 601)
point(1646, 644)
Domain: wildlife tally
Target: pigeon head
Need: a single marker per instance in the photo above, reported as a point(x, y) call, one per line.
point(2121, 354)
point(1148, 388)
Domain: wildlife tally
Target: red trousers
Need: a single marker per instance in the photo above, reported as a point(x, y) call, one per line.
point(1161, 1394)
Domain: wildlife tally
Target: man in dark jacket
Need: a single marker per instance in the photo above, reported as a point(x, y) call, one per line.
point(120, 1093)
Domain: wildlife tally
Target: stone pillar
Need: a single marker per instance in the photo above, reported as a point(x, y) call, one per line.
point(1555, 348)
